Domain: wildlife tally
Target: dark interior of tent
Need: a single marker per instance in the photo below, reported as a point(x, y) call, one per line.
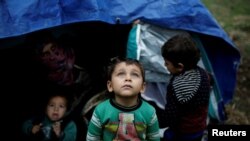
point(94, 43)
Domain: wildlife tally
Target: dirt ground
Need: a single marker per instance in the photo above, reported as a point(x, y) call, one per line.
point(238, 110)
point(234, 18)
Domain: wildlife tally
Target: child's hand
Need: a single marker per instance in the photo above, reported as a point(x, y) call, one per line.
point(57, 128)
point(136, 22)
point(36, 128)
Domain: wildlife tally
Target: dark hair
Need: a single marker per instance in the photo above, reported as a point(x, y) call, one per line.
point(67, 42)
point(181, 49)
point(61, 91)
point(41, 38)
point(117, 60)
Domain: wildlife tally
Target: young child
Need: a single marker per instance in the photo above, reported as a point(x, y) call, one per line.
point(125, 116)
point(187, 93)
point(51, 126)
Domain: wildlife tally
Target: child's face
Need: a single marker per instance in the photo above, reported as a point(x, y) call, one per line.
point(171, 68)
point(56, 108)
point(126, 81)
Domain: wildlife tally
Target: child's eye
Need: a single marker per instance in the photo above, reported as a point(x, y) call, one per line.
point(135, 74)
point(120, 73)
point(51, 105)
point(62, 106)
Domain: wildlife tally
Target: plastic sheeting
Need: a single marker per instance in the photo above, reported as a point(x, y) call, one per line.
point(18, 17)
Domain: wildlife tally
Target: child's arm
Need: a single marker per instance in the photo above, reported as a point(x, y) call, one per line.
point(36, 128)
point(94, 128)
point(57, 128)
point(69, 132)
point(29, 128)
point(153, 133)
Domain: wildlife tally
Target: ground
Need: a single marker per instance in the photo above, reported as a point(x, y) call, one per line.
point(234, 17)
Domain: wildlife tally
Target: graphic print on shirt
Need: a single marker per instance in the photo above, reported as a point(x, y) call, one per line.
point(126, 129)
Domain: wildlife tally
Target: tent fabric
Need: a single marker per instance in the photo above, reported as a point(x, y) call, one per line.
point(19, 17)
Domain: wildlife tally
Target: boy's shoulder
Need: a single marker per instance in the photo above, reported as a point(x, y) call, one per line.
point(207, 74)
point(147, 106)
point(103, 103)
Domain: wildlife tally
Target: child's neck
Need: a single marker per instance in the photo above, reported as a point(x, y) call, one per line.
point(127, 102)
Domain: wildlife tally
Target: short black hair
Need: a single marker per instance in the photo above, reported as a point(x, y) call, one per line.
point(62, 91)
point(117, 60)
point(181, 48)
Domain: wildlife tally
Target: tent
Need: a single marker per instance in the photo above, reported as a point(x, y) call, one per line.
point(109, 22)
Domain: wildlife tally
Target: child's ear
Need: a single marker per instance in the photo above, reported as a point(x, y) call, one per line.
point(109, 86)
point(180, 67)
point(143, 87)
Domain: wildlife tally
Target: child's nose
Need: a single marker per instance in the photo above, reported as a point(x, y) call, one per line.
point(56, 108)
point(128, 77)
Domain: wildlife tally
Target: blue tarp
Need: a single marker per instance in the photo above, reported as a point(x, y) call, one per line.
point(19, 17)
